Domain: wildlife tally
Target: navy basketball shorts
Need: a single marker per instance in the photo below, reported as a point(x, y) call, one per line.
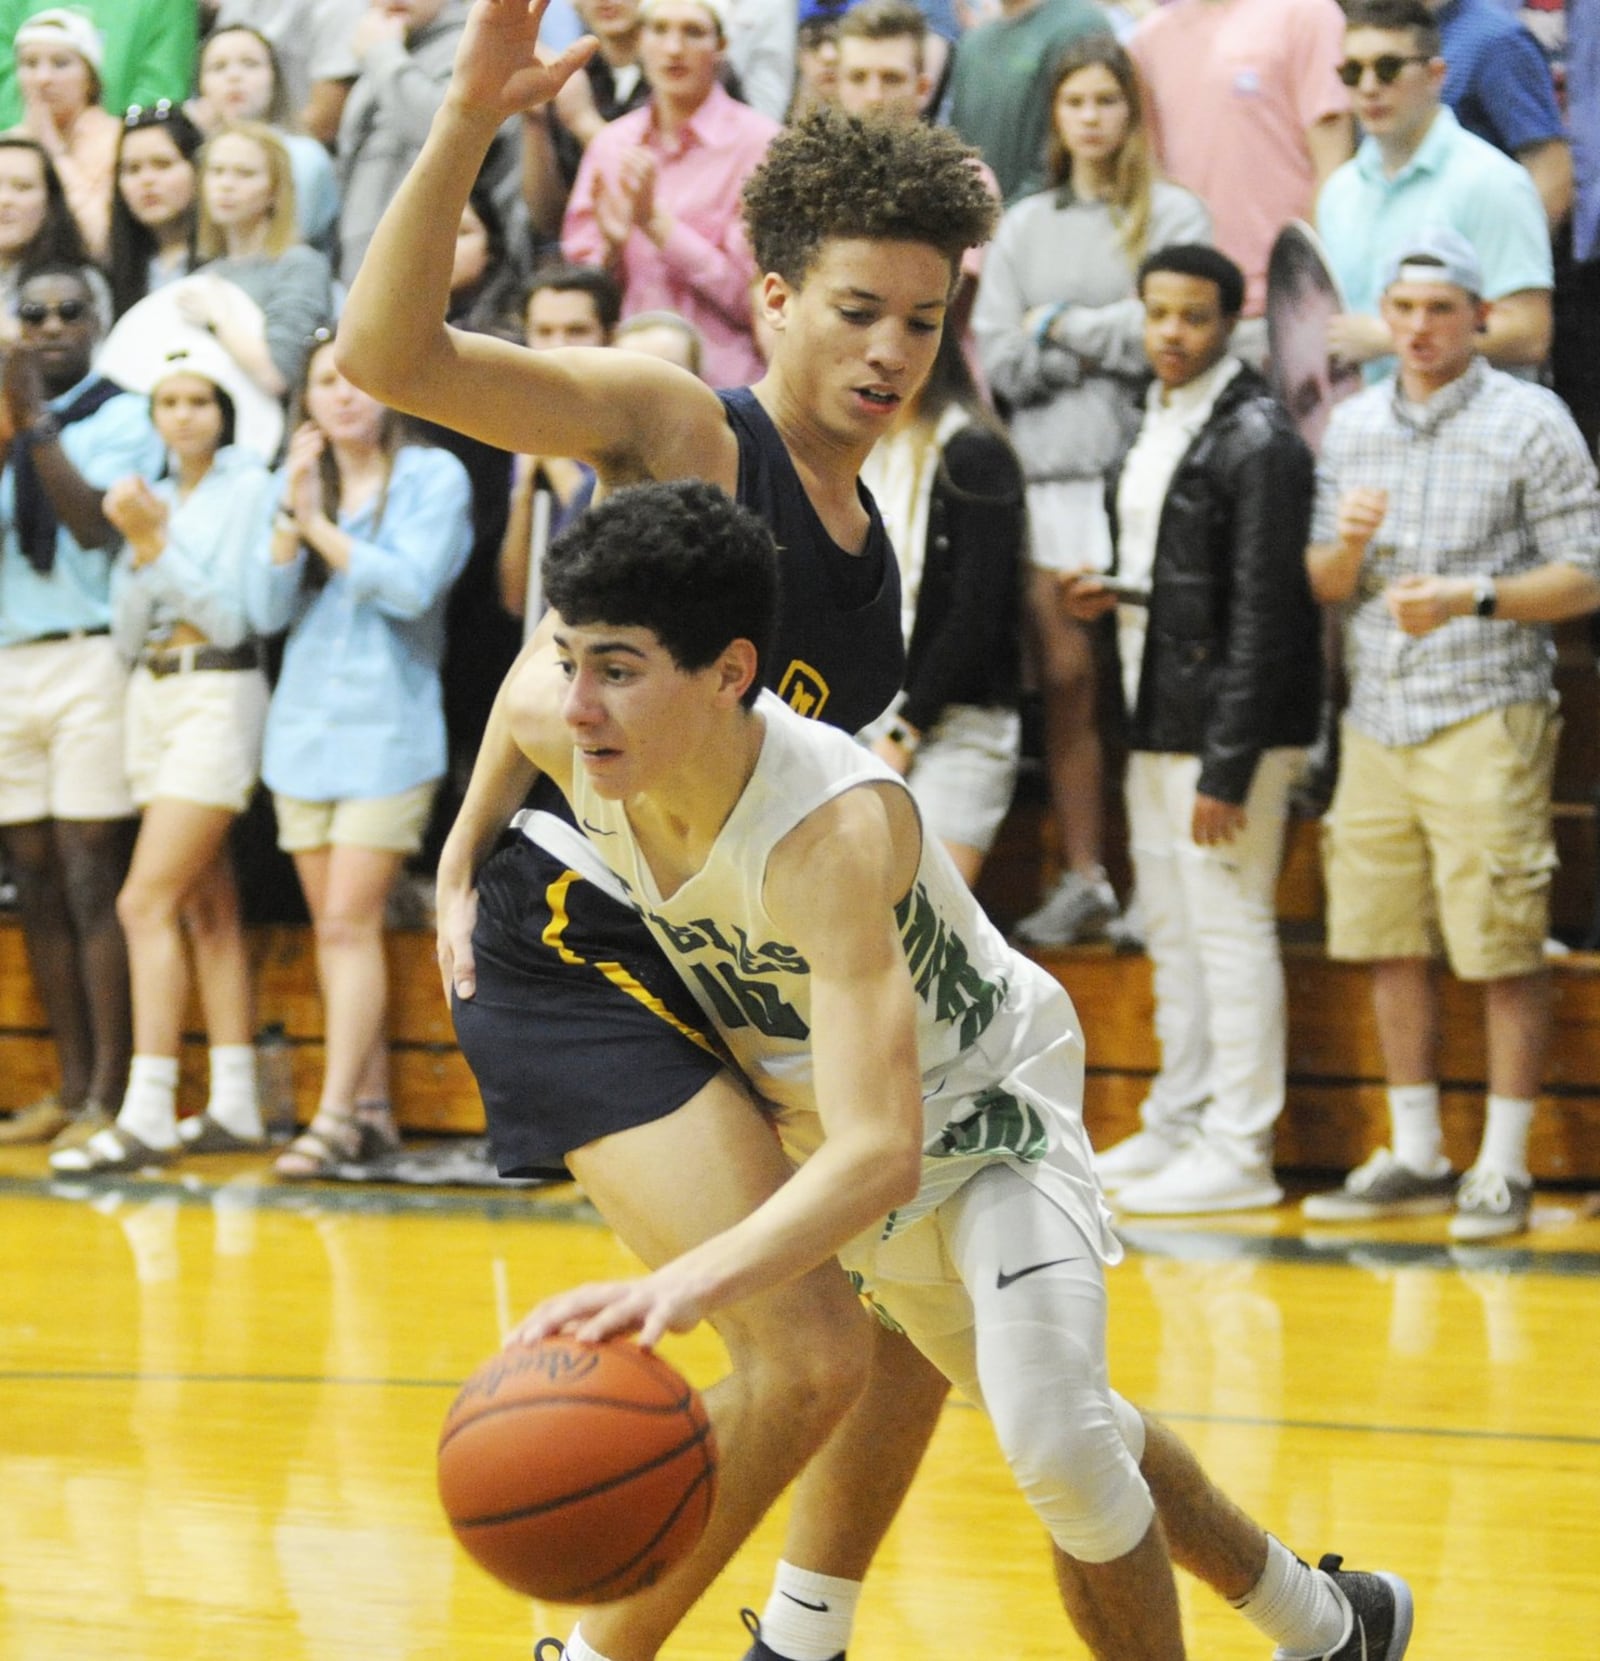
point(579, 1027)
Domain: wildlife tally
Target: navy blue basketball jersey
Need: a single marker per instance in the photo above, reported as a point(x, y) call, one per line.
point(839, 655)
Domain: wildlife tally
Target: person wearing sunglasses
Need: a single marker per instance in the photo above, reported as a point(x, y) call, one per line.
point(66, 823)
point(1417, 165)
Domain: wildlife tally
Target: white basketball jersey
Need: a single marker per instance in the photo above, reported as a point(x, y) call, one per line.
point(998, 1041)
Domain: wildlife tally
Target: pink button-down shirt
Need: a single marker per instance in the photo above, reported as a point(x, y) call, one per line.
point(704, 270)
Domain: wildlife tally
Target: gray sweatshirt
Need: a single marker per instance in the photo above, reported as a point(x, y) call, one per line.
point(1074, 406)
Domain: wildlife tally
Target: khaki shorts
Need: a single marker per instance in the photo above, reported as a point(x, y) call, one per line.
point(393, 824)
point(196, 737)
point(62, 725)
point(1446, 842)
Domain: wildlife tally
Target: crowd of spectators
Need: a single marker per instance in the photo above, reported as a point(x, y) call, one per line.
point(186, 191)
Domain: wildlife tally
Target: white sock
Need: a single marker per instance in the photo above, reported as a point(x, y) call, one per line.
point(1505, 1136)
point(233, 1101)
point(578, 1650)
point(150, 1108)
point(1295, 1606)
point(1418, 1140)
point(809, 1616)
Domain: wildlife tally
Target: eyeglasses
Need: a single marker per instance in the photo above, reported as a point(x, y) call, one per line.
point(149, 115)
point(69, 311)
point(1387, 68)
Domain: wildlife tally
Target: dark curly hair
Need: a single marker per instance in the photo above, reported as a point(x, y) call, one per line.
point(680, 559)
point(833, 175)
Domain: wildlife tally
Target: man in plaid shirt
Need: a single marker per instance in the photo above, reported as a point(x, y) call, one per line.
point(1457, 516)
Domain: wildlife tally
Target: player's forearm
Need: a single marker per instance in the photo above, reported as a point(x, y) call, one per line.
point(393, 322)
point(501, 778)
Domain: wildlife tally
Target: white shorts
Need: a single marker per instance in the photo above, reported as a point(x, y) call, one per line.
point(964, 772)
point(62, 720)
point(390, 824)
point(196, 737)
point(1067, 525)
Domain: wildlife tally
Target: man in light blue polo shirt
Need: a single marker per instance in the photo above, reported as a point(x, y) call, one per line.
point(1418, 165)
point(65, 812)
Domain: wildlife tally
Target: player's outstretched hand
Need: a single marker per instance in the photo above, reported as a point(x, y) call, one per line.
point(650, 1307)
point(500, 69)
point(456, 912)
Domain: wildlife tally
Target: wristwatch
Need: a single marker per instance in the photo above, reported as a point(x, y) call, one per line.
point(899, 733)
point(1484, 597)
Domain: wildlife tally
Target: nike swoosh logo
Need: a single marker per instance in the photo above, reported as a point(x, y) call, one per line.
point(1002, 1280)
point(595, 830)
point(817, 1608)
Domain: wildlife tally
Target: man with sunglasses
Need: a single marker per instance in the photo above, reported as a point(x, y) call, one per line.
point(65, 813)
point(1419, 166)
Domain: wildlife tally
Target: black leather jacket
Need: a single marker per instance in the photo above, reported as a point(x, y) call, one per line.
point(1233, 656)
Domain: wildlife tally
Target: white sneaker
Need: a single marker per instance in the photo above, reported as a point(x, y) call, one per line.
point(1137, 1157)
point(1077, 908)
point(1200, 1179)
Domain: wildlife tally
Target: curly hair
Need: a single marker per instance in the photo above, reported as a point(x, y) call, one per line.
point(832, 176)
point(678, 558)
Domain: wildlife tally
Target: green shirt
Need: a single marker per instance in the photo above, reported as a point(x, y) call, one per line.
point(149, 51)
point(1000, 91)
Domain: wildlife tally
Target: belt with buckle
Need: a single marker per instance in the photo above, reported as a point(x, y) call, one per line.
point(182, 660)
point(61, 634)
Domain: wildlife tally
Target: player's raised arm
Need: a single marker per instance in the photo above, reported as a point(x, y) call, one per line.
point(630, 416)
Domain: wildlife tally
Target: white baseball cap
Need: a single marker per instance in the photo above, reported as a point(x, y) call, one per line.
point(61, 26)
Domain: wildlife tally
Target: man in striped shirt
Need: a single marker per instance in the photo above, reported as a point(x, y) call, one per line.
point(1456, 518)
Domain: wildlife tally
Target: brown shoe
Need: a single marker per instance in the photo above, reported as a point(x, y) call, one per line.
point(81, 1126)
point(37, 1122)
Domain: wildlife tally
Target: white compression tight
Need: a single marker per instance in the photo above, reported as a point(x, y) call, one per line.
point(1034, 1358)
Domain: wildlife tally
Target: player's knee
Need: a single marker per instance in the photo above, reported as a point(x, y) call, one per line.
point(1073, 1461)
point(809, 1361)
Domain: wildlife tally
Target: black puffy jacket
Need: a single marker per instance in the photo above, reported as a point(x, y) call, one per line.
point(1233, 657)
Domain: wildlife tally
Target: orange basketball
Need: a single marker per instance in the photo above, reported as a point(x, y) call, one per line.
point(576, 1472)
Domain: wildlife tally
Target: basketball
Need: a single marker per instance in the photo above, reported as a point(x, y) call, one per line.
point(577, 1473)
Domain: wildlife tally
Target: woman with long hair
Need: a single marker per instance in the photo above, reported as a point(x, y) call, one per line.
point(197, 702)
point(36, 225)
point(950, 490)
point(155, 212)
point(58, 55)
point(240, 80)
point(248, 242)
point(370, 534)
point(1061, 334)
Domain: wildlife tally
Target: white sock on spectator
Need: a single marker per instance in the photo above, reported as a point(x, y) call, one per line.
point(1505, 1136)
point(233, 1102)
point(1418, 1140)
point(150, 1108)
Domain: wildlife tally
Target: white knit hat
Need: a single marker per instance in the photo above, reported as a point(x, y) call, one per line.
point(61, 26)
point(717, 8)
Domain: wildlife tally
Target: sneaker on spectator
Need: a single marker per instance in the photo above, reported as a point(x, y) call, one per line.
point(1490, 1205)
point(37, 1122)
point(1078, 908)
point(1126, 932)
point(1382, 1187)
point(1139, 1156)
point(1197, 1180)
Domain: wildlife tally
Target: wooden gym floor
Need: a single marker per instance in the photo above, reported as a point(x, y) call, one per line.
point(219, 1399)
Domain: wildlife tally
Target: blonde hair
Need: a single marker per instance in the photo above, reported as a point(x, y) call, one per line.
point(1133, 172)
point(282, 227)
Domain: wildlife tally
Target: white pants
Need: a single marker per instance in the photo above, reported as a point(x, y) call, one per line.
point(1211, 929)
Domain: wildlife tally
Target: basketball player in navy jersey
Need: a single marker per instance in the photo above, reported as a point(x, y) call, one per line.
point(586, 1046)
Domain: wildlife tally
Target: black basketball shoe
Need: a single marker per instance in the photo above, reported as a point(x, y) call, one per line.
point(1380, 1613)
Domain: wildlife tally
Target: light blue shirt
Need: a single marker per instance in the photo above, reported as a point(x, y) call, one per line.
point(1454, 179)
point(110, 444)
point(198, 578)
point(316, 188)
point(358, 710)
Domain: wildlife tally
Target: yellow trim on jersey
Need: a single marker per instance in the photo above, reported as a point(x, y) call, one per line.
point(556, 898)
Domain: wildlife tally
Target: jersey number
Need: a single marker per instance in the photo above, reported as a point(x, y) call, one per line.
point(749, 1003)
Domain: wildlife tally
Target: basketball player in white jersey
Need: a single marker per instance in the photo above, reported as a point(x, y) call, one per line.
point(925, 1079)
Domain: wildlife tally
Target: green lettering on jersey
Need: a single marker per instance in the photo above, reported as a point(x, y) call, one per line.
point(942, 972)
